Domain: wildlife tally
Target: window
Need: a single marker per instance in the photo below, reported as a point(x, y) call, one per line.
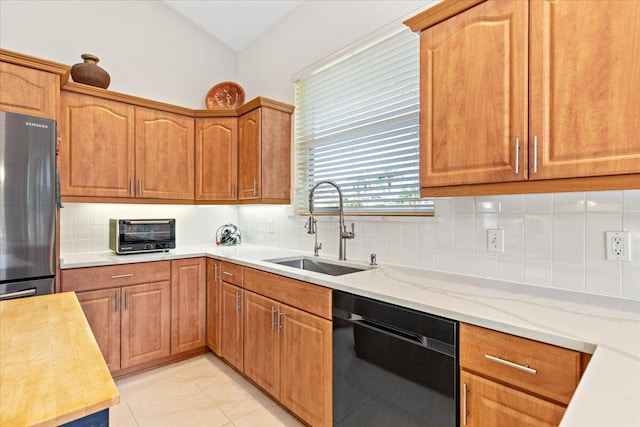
point(356, 123)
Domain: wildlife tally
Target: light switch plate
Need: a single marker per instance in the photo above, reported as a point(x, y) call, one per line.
point(495, 240)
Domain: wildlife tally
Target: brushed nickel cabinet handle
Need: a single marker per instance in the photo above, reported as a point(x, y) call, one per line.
point(126, 300)
point(132, 191)
point(273, 318)
point(280, 320)
point(115, 299)
point(140, 187)
point(517, 156)
point(255, 187)
point(238, 304)
point(122, 276)
point(535, 154)
point(498, 359)
point(216, 272)
point(226, 273)
point(465, 389)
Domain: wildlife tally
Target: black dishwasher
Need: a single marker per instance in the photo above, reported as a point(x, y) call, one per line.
point(392, 366)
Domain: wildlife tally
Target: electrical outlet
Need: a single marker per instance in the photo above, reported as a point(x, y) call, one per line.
point(495, 240)
point(618, 245)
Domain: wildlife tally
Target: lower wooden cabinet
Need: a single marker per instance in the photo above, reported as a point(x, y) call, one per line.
point(231, 348)
point(145, 333)
point(287, 351)
point(131, 324)
point(489, 403)
point(142, 312)
point(306, 366)
point(188, 304)
point(506, 380)
point(102, 310)
point(213, 305)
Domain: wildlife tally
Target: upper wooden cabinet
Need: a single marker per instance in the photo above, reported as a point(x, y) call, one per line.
point(114, 149)
point(164, 154)
point(30, 85)
point(264, 152)
point(216, 158)
point(97, 147)
point(509, 104)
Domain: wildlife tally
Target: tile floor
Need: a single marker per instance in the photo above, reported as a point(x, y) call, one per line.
point(201, 391)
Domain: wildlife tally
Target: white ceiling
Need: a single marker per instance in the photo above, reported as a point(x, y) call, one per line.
point(235, 23)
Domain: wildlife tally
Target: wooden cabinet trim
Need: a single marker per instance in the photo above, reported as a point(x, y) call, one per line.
point(438, 13)
point(63, 71)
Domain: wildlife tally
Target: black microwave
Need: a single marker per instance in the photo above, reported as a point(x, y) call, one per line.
point(134, 236)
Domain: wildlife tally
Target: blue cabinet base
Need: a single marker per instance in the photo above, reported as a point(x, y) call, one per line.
point(98, 419)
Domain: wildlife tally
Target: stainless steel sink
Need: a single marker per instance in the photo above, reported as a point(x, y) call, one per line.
point(318, 266)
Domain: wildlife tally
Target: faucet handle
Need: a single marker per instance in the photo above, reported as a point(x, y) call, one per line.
point(348, 234)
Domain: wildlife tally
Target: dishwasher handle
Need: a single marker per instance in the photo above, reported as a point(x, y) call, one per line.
point(402, 334)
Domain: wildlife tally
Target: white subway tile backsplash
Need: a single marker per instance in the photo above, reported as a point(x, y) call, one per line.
point(631, 200)
point(604, 278)
point(569, 202)
point(568, 276)
point(604, 201)
point(511, 203)
point(631, 279)
point(550, 239)
point(538, 236)
point(568, 238)
point(538, 203)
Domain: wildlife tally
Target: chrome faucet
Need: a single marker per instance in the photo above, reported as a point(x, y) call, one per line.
point(342, 229)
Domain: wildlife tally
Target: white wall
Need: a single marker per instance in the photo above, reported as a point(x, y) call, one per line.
point(149, 49)
point(313, 31)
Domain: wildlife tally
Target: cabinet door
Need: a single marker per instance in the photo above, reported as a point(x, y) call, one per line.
point(216, 158)
point(97, 147)
point(164, 155)
point(489, 403)
point(28, 91)
point(262, 342)
point(584, 87)
point(102, 310)
point(275, 182)
point(473, 105)
point(188, 302)
point(146, 320)
point(231, 336)
point(306, 366)
point(213, 305)
point(249, 155)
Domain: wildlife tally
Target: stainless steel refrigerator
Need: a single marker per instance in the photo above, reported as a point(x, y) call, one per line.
point(27, 205)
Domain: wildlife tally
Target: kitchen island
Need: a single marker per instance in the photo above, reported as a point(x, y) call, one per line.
point(51, 369)
point(608, 328)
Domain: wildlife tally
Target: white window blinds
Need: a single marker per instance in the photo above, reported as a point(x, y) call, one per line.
point(356, 123)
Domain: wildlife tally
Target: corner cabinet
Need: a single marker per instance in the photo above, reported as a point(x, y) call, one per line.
point(216, 159)
point(114, 149)
point(264, 152)
point(528, 108)
point(30, 85)
point(188, 304)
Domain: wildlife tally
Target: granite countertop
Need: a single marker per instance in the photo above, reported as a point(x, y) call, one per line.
point(609, 328)
point(51, 368)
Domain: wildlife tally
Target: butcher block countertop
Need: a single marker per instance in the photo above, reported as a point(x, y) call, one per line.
point(51, 369)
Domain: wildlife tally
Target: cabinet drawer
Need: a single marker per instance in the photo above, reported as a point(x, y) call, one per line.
point(91, 278)
point(305, 296)
point(231, 273)
point(551, 371)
